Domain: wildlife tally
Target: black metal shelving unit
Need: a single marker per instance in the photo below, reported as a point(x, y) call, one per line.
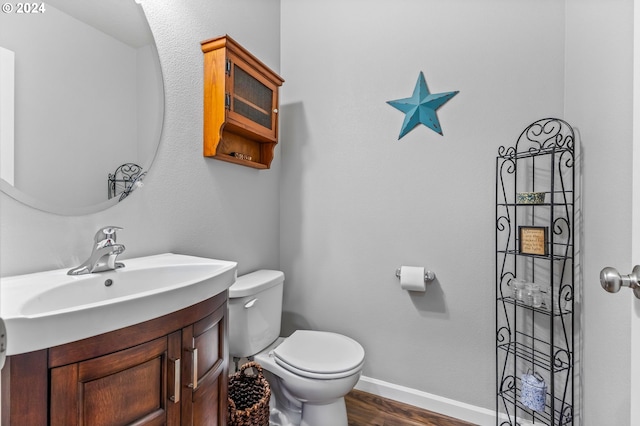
point(539, 339)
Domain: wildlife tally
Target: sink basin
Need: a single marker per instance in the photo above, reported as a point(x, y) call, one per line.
point(51, 308)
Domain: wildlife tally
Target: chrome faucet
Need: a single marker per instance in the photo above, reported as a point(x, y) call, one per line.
point(104, 254)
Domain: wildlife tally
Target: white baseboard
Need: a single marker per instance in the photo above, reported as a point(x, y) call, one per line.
point(427, 401)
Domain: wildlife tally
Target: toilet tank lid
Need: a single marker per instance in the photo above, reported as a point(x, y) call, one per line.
point(255, 282)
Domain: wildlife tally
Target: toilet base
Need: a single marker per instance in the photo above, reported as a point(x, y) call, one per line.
point(286, 410)
point(334, 413)
point(301, 401)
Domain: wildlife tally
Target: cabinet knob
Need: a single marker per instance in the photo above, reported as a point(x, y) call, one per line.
point(275, 111)
point(611, 280)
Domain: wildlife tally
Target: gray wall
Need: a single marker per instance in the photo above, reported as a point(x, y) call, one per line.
point(599, 100)
point(357, 203)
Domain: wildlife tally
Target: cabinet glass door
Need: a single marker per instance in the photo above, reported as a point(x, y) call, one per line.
point(252, 101)
point(251, 98)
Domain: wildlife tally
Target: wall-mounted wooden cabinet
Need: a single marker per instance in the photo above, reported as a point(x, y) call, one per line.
point(240, 105)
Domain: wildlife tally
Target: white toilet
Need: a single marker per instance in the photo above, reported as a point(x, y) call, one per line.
point(309, 372)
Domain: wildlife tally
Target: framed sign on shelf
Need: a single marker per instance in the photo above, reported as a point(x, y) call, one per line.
point(533, 240)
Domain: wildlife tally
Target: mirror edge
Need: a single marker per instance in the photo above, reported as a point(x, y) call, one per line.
point(43, 206)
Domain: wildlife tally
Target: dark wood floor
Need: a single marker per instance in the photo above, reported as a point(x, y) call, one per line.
point(365, 409)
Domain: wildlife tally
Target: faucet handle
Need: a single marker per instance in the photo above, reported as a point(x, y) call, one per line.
point(106, 233)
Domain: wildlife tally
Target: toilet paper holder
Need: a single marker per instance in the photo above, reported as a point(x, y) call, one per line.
point(428, 275)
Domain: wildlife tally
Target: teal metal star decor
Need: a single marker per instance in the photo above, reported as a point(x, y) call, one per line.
point(421, 107)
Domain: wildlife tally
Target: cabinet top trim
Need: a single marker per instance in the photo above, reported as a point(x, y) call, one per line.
point(227, 42)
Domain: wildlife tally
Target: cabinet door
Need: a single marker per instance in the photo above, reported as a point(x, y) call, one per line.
point(205, 371)
point(252, 101)
point(25, 389)
point(122, 388)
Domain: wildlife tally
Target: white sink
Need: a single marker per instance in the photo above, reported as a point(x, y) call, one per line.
point(51, 308)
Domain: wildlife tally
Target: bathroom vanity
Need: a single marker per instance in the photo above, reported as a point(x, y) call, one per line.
point(170, 370)
point(144, 344)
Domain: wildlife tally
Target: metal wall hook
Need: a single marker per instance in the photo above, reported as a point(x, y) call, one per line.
point(428, 275)
point(611, 280)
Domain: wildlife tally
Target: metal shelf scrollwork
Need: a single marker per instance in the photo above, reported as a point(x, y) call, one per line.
point(125, 180)
point(534, 338)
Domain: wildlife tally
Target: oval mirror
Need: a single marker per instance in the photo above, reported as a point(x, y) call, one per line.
point(81, 94)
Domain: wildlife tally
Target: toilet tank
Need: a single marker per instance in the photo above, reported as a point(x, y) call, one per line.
point(255, 312)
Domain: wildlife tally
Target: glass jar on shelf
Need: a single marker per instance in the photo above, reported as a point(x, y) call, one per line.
point(534, 295)
point(519, 290)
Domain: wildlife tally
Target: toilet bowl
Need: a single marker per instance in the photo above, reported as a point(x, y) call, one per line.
point(309, 372)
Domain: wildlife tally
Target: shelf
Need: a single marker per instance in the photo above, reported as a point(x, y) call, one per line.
point(539, 358)
point(564, 413)
point(537, 256)
point(529, 339)
point(231, 159)
point(555, 149)
point(534, 205)
point(543, 311)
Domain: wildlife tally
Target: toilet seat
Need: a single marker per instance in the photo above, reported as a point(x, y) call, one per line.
point(319, 355)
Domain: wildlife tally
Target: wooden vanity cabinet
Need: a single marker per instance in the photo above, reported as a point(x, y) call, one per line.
point(204, 398)
point(240, 105)
point(172, 370)
point(115, 389)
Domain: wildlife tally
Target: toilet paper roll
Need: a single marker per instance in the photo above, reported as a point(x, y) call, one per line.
point(412, 278)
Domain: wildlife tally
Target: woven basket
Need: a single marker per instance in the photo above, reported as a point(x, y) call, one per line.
point(249, 394)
